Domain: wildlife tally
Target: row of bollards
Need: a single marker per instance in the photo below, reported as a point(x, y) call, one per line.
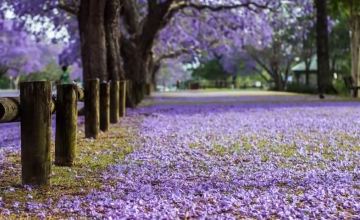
point(104, 104)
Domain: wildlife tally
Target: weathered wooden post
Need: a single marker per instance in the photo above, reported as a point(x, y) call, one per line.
point(66, 124)
point(148, 89)
point(143, 90)
point(104, 106)
point(136, 92)
point(114, 101)
point(91, 104)
point(35, 111)
point(130, 96)
point(122, 98)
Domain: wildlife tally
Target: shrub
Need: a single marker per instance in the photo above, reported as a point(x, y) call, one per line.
point(339, 85)
point(301, 88)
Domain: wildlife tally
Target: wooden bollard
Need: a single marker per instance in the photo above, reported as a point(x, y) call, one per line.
point(66, 124)
point(138, 92)
point(91, 104)
point(35, 111)
point(114, 101)
point(104, 106)
point(148, 89)
point(122, 99)
point(143, 90)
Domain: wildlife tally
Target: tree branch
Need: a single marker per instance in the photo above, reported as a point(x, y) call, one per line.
point(151, 5)
point(247, 5)
point(182, 51)
point(131, 15)
point(257, 60)
point(70, 9)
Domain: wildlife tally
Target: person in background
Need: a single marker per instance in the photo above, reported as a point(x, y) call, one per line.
point(65, 76)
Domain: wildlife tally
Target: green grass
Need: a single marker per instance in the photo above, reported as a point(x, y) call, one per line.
point(229, 89)
point(93, 157)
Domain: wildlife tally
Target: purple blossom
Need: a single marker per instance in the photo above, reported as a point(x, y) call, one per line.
point(242, 157)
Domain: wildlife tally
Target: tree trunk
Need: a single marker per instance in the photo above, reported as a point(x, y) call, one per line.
point(307, 71)
point(324, 75)
point(154, 69)
point(279, 85)
point(135, 63)
point(355, 47)
point(92, 37)
point(112, 32)
point(136, 70)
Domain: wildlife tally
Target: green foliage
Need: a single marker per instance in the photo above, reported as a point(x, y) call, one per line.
point(340, 86)
point(343, 7)
point(51, 72)
point(301, 88)
point(211, 70)
point(4, 82)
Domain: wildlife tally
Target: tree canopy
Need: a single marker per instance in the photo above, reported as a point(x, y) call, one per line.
point(186, 28)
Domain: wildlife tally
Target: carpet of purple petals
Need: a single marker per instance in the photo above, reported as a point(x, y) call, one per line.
point(288, 160)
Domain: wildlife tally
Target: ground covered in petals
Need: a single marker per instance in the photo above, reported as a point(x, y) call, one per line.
point(225, 160)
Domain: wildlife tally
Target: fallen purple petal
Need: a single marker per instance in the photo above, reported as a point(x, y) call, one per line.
point(219, 161)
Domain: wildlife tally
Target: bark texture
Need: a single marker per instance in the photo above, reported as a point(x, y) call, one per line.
point(91, 108)
point(93, 41)
point(114, 101)
point(322, 41)
point(122, 100)
point(35, 111)
point(66, 125)
point(355, 47)
point(104, 106)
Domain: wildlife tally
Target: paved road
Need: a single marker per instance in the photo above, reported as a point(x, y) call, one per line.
point(204, 93)
point(16, 93)
point(9, 93)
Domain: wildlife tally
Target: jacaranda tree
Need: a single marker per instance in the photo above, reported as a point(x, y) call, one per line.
point(117, 39)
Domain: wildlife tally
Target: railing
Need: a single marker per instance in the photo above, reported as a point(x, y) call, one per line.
point(104, 104)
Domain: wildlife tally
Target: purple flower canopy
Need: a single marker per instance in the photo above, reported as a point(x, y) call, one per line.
point(23, 54)
point(223, 32)
point(237, 159)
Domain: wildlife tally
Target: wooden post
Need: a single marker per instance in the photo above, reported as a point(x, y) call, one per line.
point(114, 101)
point(35, 111)
point(138, 90)
point(104, 106)
point(148, 89)
point(130, 97)
point(143, 90)
point(91, 104)
point(66, 124)
point(122, 107)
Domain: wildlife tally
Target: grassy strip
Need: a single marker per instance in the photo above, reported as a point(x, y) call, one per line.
point(93, 157)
